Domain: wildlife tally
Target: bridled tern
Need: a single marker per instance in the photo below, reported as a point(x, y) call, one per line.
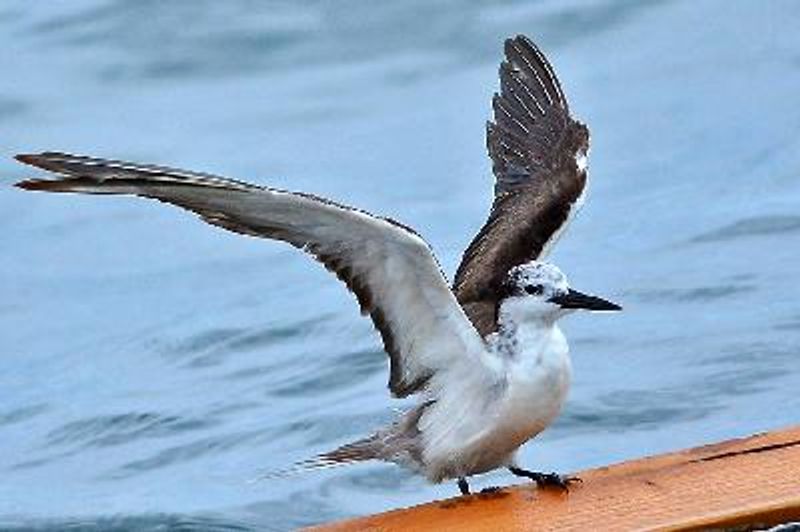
point(485, 357)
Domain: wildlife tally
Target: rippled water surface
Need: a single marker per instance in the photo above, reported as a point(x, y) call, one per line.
point(151, 365)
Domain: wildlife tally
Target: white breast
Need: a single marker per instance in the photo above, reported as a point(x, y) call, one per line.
point(538, 382)
point(482, 431)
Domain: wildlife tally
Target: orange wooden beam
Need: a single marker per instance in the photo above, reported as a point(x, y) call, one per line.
point(747, 482)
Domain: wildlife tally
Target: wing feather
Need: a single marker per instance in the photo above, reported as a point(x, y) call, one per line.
point(533, 143)
point(390, 269)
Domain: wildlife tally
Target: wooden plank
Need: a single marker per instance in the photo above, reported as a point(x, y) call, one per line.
point(747, 482)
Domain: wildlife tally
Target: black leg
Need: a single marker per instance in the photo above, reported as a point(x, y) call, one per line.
point(463, 486)
point(545, 479)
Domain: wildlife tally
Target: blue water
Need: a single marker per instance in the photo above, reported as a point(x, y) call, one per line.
point(152, 365)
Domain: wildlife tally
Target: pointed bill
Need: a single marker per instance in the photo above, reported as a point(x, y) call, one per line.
point(578, 300)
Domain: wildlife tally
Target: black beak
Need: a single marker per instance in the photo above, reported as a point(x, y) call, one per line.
point(577, 300)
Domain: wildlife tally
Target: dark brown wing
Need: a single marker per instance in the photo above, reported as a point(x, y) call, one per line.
point(538, 158)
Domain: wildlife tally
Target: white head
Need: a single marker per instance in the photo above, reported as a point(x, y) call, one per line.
point(539, 290)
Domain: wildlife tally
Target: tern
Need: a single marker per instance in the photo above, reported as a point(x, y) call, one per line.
point(484, 357)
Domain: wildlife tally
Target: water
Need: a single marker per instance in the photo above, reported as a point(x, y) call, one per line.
point(152, 365)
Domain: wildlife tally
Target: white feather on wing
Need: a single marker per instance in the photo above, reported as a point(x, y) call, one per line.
point(390, 268)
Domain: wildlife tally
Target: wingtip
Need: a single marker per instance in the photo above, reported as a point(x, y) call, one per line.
point(519, 39)
point(28, 184)
point(39, 159)
point(524, 39)
point(26, 158)
point(35, 184)
point(508, 45)
point(522, 54)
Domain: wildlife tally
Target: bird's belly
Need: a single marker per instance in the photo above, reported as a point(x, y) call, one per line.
point(538, 381)
point(530, 403)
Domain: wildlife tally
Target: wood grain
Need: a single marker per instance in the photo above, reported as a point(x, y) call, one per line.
point(734, 485)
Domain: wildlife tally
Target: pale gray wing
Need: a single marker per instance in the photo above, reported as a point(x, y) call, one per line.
point(390, 269)
point(538, 157)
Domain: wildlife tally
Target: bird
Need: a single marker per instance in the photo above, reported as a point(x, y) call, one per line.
point(484, 356)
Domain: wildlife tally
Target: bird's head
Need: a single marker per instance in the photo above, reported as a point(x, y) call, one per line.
point(540, 290)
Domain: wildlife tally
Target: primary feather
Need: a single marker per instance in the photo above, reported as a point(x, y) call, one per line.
point(390, 269)
point(533, 143)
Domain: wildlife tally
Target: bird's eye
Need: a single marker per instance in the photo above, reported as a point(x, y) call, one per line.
point(534, 289)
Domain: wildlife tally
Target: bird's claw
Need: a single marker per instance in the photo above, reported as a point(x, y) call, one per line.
point(546, 480)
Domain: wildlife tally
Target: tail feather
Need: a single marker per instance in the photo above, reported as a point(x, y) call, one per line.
point(357, 451)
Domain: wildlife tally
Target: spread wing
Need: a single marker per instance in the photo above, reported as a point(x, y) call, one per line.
point(389, 268)
point(538, 157)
